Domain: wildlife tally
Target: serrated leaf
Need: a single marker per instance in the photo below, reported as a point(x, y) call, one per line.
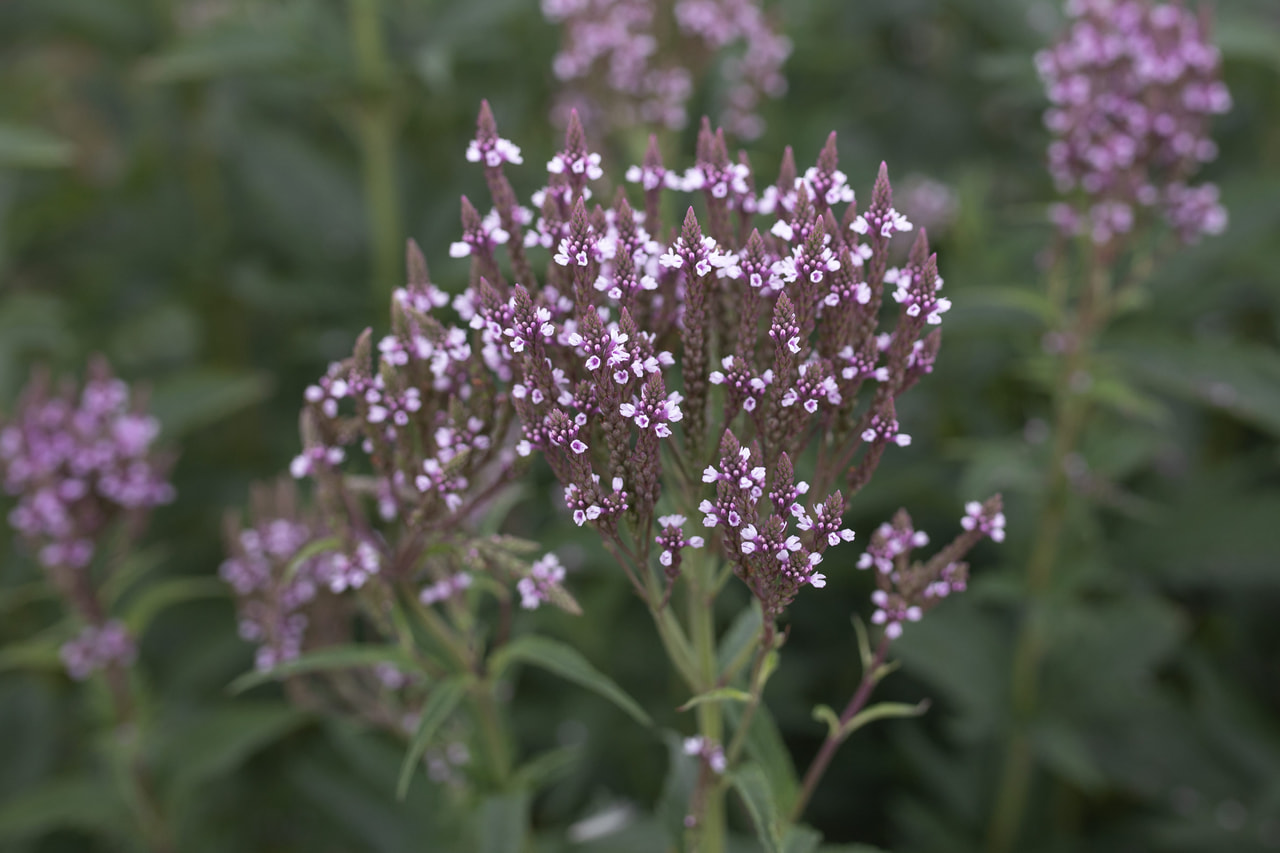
point(721, 694)
point(333, 657)
point(23, 147)
point(752, 785)
point(1236, 378)
point(163, 594)
point(566, 662)
point(440, 705)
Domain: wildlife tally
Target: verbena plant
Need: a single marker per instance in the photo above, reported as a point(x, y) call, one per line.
point(663, 375)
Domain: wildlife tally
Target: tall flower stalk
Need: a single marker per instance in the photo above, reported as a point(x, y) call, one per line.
point(738, 370)
point(1132, 86)
point(82, 465)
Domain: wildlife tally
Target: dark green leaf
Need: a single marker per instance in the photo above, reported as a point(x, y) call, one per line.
point(757, 794)
point(83, 803)
point(503, 822)
point(333, 657)
point(440, 705)
point(24, 147)
point(566, 662)
point(163, 594)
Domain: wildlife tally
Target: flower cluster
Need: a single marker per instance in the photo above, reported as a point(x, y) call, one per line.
point(623, 70)
point(906, 589)
point(98, 647)
point(78, 461)
point(1133, 85)
point(610, 357)
point(425, 432)
point(276, 572)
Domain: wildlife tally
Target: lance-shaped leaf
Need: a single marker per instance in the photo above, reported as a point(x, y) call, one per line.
point(440, 705)
point(322, 660)
point(720, 694)
point(566, 662)
point(752, 785)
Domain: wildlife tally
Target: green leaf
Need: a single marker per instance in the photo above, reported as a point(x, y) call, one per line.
point(161, 595)
point(882, 711)
point(137, 565)
point(23, 147)
point(801, 839)
point(548, 767)
point(440, 705)
point(503, 821)
point(311, 549)
point(333, 657)
point(721, 694)
point(1240, 379)
point(220, 51)
point(39, 652)
point(217, 741)
point(753, 786)
point(825, 714)
point(737, 643)
point(677, 789)
point(1066, 753)
point(765, 745)
point(83, 803)
point(198, 398)
point(566, 662)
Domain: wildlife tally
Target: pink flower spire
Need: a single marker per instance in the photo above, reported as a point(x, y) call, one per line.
point(1133, 85)
point(629, 62)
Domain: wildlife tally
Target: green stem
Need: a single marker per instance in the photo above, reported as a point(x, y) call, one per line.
point(376, 135)
point(834, 738)
point(1070, 415)
point(701, 615)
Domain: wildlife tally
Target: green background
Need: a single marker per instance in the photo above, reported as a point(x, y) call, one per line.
point(185, 187)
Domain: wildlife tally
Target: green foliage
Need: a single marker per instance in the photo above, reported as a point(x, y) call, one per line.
point(183, 188)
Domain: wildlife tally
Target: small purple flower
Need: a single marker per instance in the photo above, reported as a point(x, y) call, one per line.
point(544, 576)
point(98, 647)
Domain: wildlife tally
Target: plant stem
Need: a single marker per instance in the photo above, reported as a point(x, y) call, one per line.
point(829, 746)
point(1070, 414)
point(702, 633)
point(376, 134)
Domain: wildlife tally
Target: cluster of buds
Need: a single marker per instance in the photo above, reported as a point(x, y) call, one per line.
point(1133, 85)
point(623, 68)
point(82, 465)
point(905, 590)
point(611, 357)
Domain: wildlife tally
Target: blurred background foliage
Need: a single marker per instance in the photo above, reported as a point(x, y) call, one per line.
point(215, 193)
